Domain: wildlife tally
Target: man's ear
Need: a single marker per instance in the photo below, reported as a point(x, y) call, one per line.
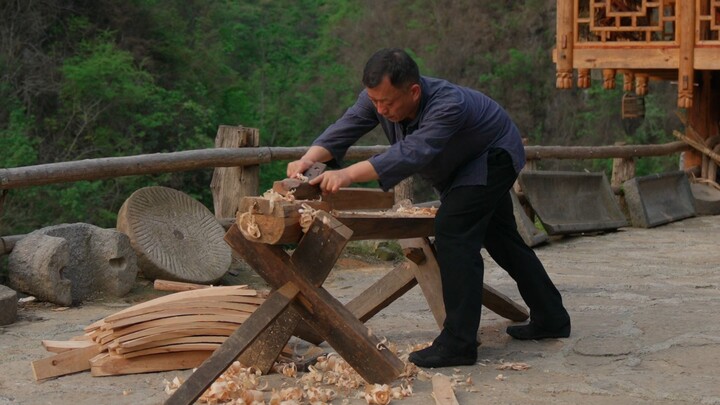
point(415, 91)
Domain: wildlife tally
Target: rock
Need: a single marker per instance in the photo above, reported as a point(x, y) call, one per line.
point(69, 263)
point(8, 305)
point(36, 266)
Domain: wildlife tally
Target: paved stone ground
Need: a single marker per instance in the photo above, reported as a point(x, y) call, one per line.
point(645, 305)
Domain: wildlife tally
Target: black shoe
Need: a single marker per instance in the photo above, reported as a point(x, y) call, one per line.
point(439, 355)
point(534, 332)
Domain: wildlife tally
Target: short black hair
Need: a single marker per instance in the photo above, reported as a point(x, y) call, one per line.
point(394, 63)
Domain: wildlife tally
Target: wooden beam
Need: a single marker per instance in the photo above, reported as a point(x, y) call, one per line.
point(427, 274)
point(345, 333)
point(356, 198)
point(314, 257)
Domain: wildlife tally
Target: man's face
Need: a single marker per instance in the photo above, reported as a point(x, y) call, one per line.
point(393, 103)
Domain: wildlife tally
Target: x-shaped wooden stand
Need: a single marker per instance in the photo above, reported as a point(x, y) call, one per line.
point(300, 305)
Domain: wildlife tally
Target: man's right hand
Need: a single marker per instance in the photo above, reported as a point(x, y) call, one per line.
point(298, 167)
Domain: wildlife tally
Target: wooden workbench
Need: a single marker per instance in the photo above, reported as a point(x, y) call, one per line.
point(299, 304)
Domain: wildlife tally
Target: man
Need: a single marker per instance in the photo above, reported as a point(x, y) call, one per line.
point(467, 146)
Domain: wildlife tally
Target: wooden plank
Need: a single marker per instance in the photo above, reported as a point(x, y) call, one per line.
point(168, 285)
point(443, 391)
point(427, 274)
point(244, 303)
point(169, 328)
point(150, 340)
point(221, 359)
point(386, 225)
point(354, 198)
point(314, 257)
point(59, 346)
point(184, 296)
point(499, 303)
point(171, 341)
point(383, 292)
point(176, 313)
point(174, 348)
point(107, 365)
point(345, 333)
point(176, 322)
point(67, 362)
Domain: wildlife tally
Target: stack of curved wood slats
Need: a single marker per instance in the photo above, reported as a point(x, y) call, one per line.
point(177, 331)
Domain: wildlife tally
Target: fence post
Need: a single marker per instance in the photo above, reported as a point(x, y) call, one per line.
point(230, 184)
point(623, 169)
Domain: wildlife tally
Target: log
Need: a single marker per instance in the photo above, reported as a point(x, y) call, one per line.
point(699, 146)
point(105, 168)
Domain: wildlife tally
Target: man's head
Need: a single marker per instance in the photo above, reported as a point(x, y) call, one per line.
point(392, 79)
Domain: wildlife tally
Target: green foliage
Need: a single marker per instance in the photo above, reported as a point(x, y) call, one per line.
point(107, 78)
point(15, 140)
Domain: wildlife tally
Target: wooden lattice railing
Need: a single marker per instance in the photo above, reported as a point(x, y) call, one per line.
point(666, 39)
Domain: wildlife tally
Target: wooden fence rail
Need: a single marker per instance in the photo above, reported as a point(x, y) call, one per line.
point(103, 168)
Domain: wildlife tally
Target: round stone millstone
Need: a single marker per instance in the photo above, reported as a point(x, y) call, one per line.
point(175, 236)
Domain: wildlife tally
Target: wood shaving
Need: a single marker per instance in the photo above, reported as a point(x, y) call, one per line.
point(513, 366)
point(307, 216)
point(330, 377)
point(377, 394)
point(500, 377)
point(248, 226)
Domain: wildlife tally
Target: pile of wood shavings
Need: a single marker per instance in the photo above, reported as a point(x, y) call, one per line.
point(329, 378)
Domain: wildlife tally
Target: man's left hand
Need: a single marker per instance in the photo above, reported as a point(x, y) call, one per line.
point(331, 181)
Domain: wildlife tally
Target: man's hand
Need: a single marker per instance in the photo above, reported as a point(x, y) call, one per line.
point(332, 181)
point(298, 167)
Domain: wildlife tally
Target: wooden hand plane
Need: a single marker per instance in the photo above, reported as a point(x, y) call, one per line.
point(301, 188)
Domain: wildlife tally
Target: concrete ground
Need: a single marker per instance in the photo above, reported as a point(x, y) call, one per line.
point(645, 307)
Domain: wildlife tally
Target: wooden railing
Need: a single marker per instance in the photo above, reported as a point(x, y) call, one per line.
point(103, 168)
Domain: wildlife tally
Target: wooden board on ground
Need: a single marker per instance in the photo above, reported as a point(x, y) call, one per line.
point(443, 391)
point(106, 364)
point(67, 362)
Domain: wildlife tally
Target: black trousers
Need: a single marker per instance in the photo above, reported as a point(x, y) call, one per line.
point(475, 216)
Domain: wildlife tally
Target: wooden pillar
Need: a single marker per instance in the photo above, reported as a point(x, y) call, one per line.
point(564, 44)
point(704, 115)
point(230, 184)
point(609, 78)
point(686, 34)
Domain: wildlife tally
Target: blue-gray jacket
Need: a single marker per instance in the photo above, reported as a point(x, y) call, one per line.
point(446, 143)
